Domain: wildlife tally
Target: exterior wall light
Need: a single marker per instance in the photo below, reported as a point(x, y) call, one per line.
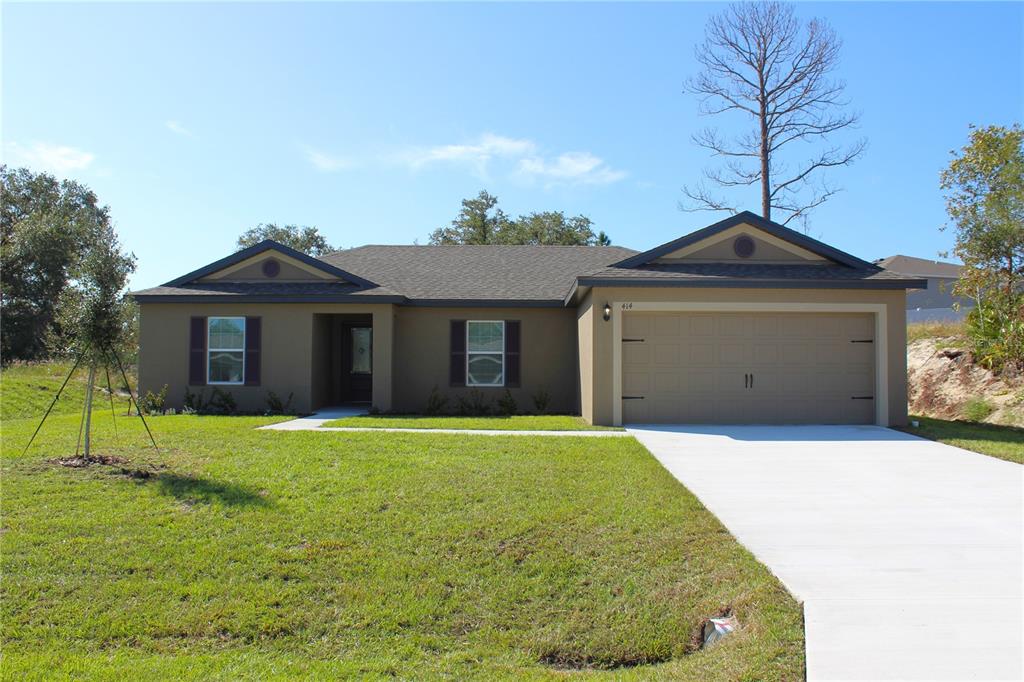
point(607, 312)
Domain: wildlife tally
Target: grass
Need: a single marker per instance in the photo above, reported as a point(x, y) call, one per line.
point(514, 423)
point(27, 389)
point(1003, 442)
point(240, 554)
point(935, 330)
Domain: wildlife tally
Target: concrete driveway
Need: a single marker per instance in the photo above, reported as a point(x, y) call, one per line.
point(907, 554)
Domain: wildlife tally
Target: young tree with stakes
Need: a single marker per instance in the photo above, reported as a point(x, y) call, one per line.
point(760, 61)
point(95, 318)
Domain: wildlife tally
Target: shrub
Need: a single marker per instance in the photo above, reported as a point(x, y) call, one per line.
point(977, 409)
point(194, 403)
point(221, 402)
point(473, 405)
point(275, 406)
point(436, 402)
point(541, 400)
point(996, 331)
point(153, 403)
point(507, 405)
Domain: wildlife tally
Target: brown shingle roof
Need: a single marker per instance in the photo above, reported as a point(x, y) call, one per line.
point(477, 273)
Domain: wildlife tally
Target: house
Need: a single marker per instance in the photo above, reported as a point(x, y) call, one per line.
point(744, 321)
point(934, 303)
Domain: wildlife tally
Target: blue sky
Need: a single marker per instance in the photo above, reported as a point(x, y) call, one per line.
point(197, 121)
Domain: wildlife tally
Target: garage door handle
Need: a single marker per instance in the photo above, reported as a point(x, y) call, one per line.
point(632, 397)
point(751, 380)
point(862, 397)
point(746, 381)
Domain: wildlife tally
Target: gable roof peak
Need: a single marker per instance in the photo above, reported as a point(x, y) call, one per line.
point(270, 245)
point(749, 218)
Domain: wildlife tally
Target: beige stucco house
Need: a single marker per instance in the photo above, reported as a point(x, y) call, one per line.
point(744, 321)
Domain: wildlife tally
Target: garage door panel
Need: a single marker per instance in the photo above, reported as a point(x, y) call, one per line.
point(638, 354)
point(749, 368)
point(666, 354)
point(700, 354)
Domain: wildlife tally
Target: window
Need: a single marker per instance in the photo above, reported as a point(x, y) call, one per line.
point(485, 353)
point(226, 350)
point(362, 350)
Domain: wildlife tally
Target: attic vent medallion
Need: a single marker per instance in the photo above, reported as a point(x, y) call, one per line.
point(271, 268)
point(743, 246)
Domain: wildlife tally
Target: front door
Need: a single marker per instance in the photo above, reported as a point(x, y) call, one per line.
point(359, 364)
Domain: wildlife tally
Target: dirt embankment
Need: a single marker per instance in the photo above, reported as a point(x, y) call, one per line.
point(944, 382)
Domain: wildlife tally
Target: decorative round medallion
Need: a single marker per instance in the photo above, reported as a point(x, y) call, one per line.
point(743, 246)
point(271, 268)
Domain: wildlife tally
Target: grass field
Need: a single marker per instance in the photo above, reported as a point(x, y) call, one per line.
point(935, 330)
point(240, 554)
point(516, 423)
point(1004, 442)
point(26, 390)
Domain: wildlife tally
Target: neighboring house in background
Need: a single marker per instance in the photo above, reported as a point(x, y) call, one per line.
point(934, 303)
point(745, 321)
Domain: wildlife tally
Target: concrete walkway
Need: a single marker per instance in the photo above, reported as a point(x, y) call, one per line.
point(314, 422)
point(907, 554)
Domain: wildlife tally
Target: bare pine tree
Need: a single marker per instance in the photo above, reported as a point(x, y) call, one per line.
point(760, 61)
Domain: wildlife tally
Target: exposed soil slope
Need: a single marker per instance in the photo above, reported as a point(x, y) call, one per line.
point(943, 379)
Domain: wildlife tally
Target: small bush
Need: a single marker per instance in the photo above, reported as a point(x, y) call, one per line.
point(221, 403)
point(996, 331)
point(473, 405)
point(436, 403)
point(507, 405)
point(153, 403)
point(276, 406)
point(194, 403)
point(977, 409)
point(541, 401)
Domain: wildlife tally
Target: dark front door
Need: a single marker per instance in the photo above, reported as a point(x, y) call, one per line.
point(359, 364)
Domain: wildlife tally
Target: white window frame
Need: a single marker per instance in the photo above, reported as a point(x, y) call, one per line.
point(210, 349)
point(486, 352)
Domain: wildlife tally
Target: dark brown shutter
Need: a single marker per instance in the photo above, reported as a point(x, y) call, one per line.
point(457, 366)
point(253, 344)
point(512, 354)
point(197, 352)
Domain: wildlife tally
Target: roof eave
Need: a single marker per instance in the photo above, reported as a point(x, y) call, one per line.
point(266, 298)
point(733, 283)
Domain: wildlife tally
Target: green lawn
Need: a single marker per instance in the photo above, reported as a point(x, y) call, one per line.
point(241, 554)
point(1004, 442)
point(517, 423)
point(26, 390)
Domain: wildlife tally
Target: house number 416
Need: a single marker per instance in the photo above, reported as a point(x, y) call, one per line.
point(627, 306)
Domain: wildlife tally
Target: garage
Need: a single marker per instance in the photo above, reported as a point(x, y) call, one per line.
point(748, 367)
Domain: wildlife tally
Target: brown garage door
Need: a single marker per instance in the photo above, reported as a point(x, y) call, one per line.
point(753, 368)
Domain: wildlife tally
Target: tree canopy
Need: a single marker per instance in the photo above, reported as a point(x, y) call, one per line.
point(984, 187)
point(481, 221)
point(47, 226)
point(306, 239)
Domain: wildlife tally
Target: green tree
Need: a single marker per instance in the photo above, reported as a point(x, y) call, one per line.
point(308, 240)
point(46, 226)
point(984, 187)
point(549, 227)
point(481, 222)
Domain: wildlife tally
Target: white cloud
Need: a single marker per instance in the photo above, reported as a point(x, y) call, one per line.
point(43, 156)
point(325, 162)
point(529, 161)
point(476, 154)
point(571, 167)
point(178, 129)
